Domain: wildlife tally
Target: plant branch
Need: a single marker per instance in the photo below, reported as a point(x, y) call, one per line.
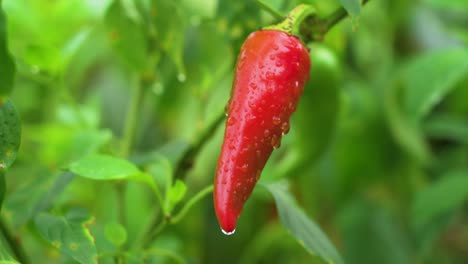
point(270, 9)
point(315, 28)
point(132, 114)
point(154, 232)
point(337, 16)
point(186, 162)
point(127, 141)
point(157, 226)
point(14, 245)
point(200, 195)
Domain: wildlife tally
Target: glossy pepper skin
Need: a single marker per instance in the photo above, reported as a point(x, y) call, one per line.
point(270, 75)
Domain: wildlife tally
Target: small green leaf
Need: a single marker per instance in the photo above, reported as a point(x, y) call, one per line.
point(116, 234)
point(10, 133)
point(307, 233)
point(127, 36)
point(69, 234)
point(430, 77)
point(353, 7)
point(104, 167)
point(7, 66)
point(176, 194)
point(5, 257)
point(443, 196)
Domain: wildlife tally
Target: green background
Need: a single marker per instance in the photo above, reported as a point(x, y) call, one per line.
point(112, 92)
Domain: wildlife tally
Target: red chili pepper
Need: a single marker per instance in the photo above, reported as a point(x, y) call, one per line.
point(271, 72)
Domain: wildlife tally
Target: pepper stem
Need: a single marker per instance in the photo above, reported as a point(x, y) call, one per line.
point(291, 24)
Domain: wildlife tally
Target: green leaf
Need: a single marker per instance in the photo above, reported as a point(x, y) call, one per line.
point(407, 134)
point(44, 35)
point(116, 234)
point(430, 77)
point(307, 233)
point(58, 144)
point(127, 36)
point(443, 196)
point(175, 194)
point(10, 133)
point(353, 7)
point(7, 66)
point(445, 126)
point(5, 257)
point(370, 234)
point(169, 22)
point(104, 167)
point(69, 234)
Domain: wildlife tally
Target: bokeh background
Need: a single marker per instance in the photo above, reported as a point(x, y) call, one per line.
point(377, 155)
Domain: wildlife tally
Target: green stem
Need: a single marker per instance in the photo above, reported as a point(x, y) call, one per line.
point(154, 232)
point(337, 16)
point(270, 9)
point(315, 28)
point(200, 195)
point(120, 187)
point(128, 136)
point(291, 24)
point(132, 114)
point(157, 226)
point(14, 245)
point(186, 162)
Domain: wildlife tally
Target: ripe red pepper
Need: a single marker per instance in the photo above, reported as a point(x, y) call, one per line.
point(271, 71)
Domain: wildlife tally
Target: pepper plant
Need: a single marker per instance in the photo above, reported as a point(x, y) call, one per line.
point(113, 118)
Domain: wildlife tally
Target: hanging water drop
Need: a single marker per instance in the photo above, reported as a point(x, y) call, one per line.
point(181, 77)
point(228, 233)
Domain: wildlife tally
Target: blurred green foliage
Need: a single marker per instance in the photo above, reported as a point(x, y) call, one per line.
point(119, 89)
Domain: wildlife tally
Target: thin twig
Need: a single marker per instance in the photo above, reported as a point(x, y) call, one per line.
point(270, 9)
point(314, 28)
point(186, 162)
point(200, 195)
point(337, 16)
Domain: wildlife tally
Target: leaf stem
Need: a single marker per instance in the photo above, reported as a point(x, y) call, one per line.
point(200, 195)
point(14, 245)
point(337, 16)
point(132, 114)
point(154, 232)
point(186, 162)
point(270, 9)
point(157, 226)
point(314, 28)
point(291, 24)
point(127, 141)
